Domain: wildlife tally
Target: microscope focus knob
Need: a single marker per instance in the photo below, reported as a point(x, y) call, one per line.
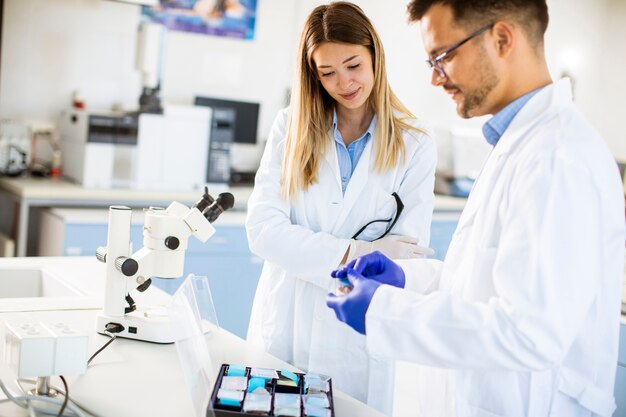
point(172, 242)
point(101, 254)
point(127, 266)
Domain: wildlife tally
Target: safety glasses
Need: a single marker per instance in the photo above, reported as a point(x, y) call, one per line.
point(392, 221)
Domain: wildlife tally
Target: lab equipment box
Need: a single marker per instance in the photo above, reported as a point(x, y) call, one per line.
point(248, 391)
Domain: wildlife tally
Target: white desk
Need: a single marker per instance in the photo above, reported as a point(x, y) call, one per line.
point(29, 192)
point(131, 378)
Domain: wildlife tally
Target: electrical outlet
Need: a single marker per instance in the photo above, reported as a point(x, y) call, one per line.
point(29, 349)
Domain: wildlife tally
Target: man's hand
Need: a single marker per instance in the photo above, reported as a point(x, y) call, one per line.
point(375, 266)
point(352, 307)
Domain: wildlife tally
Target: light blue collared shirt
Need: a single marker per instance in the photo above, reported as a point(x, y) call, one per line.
point(348, 157)
point(497, 125)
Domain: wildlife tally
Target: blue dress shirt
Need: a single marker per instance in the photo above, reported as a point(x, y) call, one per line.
point(349, 156)
point(497, 125)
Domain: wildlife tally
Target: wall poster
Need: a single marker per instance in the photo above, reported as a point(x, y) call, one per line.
point(230, 18)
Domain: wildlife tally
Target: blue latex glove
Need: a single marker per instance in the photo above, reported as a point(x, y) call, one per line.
point(352, 307)
point(375, 266)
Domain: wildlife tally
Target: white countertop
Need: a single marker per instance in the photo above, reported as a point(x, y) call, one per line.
point(132, 378)
point(61, 189)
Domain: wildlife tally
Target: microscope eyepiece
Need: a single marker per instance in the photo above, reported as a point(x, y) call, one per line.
point(224, 201)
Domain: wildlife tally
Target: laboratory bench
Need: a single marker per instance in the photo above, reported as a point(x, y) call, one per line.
point(129, 378)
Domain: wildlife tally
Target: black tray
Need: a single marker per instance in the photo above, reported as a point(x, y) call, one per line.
point(217, 410)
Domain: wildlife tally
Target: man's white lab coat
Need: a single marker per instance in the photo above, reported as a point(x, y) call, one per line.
point(522, 318)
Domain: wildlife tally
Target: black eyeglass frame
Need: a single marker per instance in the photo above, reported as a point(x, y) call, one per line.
point(436, 61)
point(392, 221)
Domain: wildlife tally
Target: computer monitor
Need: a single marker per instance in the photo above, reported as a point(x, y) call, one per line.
point(246, 116)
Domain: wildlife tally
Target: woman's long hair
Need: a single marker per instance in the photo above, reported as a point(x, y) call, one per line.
point(311, 106)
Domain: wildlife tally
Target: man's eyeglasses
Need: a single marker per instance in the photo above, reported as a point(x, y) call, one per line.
point(392, 221)
point(436, 61)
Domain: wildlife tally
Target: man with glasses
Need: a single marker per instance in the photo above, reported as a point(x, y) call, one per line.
point(522, 317)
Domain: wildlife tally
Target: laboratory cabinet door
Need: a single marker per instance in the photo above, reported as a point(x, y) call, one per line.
point(441, 230)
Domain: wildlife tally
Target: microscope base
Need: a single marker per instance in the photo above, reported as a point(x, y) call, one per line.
point(149, 325)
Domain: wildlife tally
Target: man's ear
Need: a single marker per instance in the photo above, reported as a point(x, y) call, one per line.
point(504, 34)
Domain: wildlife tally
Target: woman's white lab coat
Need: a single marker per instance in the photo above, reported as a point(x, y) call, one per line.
point(303, 241)
point(525, 310)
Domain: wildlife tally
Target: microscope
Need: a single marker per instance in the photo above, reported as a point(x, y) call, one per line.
point(165, 235)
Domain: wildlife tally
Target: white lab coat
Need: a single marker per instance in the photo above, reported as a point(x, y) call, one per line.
point(303, 241)
point(524, 312)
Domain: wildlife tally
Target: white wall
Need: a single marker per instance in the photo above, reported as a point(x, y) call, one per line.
point(584, 38)
point(257, 70)
point(608, 70)
point(51, 48)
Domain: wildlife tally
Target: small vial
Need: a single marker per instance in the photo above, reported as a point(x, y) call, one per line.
point(340, 286)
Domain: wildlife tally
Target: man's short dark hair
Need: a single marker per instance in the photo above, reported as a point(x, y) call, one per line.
point(532, 15)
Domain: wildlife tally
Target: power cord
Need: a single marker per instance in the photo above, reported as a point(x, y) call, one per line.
point(31, 409)
point(110, 330)
point(73, 401)
point(28, 402)
point(67, 396)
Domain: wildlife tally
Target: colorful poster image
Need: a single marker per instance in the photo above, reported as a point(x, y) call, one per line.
point(231, 18)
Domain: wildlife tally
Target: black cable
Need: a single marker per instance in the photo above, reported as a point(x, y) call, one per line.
point(67, 396)
point(102, 348)
point(111, 329)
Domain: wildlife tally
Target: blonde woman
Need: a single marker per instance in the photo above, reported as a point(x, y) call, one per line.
point(346, 170)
